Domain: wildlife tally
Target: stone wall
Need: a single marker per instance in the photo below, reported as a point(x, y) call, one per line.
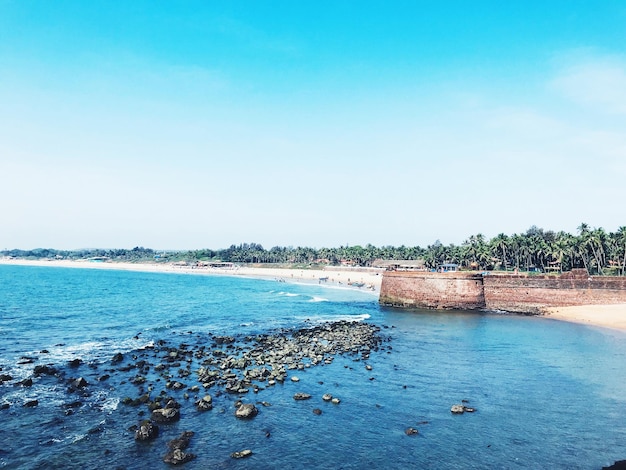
point(512, 293)
point(432, 290)
point(531, 294)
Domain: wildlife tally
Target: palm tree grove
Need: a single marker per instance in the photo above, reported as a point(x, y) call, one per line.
point(536, 250)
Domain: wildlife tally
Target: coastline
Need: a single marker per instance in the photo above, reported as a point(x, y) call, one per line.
point(371, 280)
point(606, 316)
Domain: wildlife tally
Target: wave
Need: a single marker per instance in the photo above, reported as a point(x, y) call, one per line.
point(337, 318)
point(289, 294)
point(318, 299)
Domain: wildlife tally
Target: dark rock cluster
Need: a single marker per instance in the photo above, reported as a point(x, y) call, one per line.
point(226, 364)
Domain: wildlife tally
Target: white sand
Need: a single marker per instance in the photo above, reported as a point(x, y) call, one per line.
point(372, 279)
point(608, 316)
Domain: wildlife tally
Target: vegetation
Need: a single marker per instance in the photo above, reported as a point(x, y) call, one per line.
point(600, 252)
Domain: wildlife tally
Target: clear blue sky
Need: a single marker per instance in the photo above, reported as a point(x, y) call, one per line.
point(197, 124)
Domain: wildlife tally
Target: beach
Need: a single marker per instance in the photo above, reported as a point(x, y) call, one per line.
point(608, 316)
point(349, 277)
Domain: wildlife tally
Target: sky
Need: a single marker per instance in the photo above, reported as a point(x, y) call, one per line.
point(201, 124)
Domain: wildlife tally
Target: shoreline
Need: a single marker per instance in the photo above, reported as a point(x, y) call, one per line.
point(340, 277)
point(605, 316)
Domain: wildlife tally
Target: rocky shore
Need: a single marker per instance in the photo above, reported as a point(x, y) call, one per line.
point(172, 381)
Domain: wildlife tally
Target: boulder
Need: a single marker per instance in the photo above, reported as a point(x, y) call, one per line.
point(79, 383)
point(75, 362)
point(117, 358)
point(246, 411)
point(44, 370)
point(411, 431)
point(301, 396)
point(241, 454)
point(165, 415)
point(457, 409)
point(205, 403)
point(182, 441)
point(178, 456)
point(147, 431)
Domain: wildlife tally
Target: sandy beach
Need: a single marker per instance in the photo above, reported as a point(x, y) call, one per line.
point(608, 316)
point(371, 279)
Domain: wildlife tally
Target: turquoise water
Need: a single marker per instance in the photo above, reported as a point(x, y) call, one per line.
point(548, 394)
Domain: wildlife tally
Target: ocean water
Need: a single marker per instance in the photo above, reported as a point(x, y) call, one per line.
point(547, 394)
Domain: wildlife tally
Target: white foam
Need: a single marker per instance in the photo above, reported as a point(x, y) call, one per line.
point(318, 299)
point(288, 294)
point(336, 318)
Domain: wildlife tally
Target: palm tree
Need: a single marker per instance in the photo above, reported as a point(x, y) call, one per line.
point(499, 245)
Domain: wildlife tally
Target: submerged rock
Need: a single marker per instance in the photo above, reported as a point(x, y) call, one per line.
point(44, 370)
point(301, 396)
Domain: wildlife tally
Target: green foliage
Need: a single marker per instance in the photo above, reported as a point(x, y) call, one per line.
point(536, 250)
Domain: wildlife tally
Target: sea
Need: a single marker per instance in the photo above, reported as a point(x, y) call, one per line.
point(545, 394)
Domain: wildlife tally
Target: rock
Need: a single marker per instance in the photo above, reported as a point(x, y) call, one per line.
point(31, 403)
point(79, 383)
point(182, 441)
point(301, 396)
point(25, 383)
point(317, 411)
point(241, 454)
point(368, 367)
point(411, 431)
point(177, 457)
point(327, 397)
point(468, 409)
point(165, 415)
point(295, 379)
point(618, 465)
point(44, 370)
point(75, 362)
point(205, 403)
point(246, 411)
point(335, 401)
point(457, 409)
point(5, 378)
point(117, 358)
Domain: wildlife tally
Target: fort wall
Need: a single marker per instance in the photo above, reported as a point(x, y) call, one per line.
point(508, 292)
point(417, 289)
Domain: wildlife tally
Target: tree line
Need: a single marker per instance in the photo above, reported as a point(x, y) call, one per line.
point(599, 251)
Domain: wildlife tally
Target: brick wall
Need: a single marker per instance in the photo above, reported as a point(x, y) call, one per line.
point(531, 294)
point(432, 290)
point(512, 293)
